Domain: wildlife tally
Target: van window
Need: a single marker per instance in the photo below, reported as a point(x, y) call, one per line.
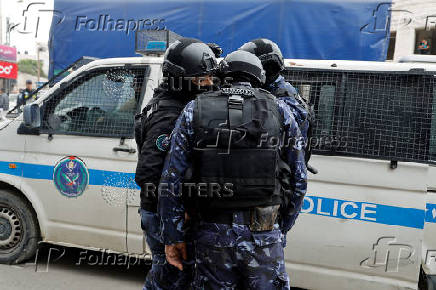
point(326, 109)
point(433, 129)
point(320, 88)
point(101, 103)
point(379, 115)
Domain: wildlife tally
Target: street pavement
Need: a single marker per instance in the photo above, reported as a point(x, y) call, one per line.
point(71, 268)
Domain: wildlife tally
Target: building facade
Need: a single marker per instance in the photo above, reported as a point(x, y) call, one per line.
point(413, 28)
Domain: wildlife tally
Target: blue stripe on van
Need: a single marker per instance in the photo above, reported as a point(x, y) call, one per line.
point(401, 216)
point(96, 177)
point(342, 209)
point(4, 168)
point(430, 213)
point(112, 178)
point(364, 211)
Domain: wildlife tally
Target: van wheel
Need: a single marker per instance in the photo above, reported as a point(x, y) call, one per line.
point(19, 232)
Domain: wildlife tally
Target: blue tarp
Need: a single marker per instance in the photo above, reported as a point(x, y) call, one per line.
point(310, 29)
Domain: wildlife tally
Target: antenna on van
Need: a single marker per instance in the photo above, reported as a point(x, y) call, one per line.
point(154, 42)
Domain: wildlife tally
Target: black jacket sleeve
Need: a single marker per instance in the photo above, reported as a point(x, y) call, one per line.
point(151, 158)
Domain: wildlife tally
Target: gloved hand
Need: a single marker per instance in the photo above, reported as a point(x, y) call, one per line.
point(175, 254)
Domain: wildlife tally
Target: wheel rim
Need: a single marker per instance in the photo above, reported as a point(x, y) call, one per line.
point(10, 228)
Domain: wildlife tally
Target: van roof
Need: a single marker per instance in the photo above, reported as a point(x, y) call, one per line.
point(415, 62)
point(360, 65)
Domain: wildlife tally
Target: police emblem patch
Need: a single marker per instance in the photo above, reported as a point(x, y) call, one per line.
point(162, 142)
point(71, 176)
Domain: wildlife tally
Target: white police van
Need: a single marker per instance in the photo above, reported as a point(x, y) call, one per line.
point(369, 218)
point(67, 173)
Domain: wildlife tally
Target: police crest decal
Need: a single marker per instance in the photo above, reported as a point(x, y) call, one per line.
point(71, 176)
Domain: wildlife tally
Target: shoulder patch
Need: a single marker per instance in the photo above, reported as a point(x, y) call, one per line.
point(163, 142)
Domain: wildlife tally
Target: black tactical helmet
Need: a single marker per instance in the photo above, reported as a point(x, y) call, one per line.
point(243, 63)
point(267, 51)
point(189, 57)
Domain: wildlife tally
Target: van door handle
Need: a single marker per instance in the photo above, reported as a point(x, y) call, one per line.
point(125, 149)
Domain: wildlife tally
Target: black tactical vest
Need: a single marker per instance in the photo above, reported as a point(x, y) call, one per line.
point(236, 152)
point(163, 101)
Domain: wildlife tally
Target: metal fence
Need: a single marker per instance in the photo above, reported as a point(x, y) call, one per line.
point(381, 115)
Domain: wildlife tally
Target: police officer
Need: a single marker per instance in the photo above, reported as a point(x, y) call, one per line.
point(25, 95)
point(228, 138)
point(4, 103)
point(28, 92)
point(272, 60)
point(187, 68)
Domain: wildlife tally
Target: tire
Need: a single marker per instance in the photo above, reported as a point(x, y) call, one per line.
point(19, 231)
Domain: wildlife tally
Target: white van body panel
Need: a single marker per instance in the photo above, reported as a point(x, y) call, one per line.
point(135, 236)
point(12, 154)
point(98, 218)
point(336, 261)
point(327, 251)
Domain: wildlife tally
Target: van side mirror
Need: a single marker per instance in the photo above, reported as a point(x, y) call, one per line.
point(32, 116)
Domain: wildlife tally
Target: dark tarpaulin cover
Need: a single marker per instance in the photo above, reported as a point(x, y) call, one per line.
point(308, 29)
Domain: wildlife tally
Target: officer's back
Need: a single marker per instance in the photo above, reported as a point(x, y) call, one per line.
point(225, 137)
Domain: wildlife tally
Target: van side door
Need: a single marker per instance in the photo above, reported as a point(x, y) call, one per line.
point(81, 165)
point(362, 221)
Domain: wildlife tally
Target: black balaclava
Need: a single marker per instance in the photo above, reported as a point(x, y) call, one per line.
point(272, 72)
